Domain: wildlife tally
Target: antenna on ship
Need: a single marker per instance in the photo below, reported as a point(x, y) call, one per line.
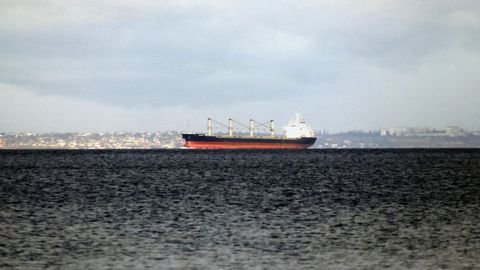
point(209, 127)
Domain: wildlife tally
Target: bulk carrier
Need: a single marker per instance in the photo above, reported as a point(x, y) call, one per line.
point(297, 135)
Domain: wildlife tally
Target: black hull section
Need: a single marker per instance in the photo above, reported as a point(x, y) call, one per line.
point(204, 141)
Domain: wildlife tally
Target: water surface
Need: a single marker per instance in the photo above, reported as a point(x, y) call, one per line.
point(181, 209)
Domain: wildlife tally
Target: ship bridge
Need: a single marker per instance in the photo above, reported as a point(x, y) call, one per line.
point(298, 128)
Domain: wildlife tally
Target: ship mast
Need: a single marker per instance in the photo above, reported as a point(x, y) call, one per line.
point(250, 128)
point(230, 127)
point(209, 127)
point(272, 128)
point(268, 125)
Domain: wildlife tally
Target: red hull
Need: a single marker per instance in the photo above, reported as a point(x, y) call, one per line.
point(243, 145)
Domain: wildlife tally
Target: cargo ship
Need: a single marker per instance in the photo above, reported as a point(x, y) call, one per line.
point(297, 135)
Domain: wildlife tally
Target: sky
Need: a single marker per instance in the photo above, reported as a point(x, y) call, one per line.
point(97, 65)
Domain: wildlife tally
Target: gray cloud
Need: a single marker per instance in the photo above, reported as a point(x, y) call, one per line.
point(345, 64)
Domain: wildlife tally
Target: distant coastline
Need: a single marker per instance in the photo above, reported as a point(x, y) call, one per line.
point(451, 137)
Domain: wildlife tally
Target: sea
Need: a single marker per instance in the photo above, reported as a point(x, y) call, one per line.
point(240, 209)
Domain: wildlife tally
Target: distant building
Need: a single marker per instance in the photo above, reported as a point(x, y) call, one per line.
point(398, 131)
point(421, 130)
point(407, 131)
point(453, 131)
point(116, 140)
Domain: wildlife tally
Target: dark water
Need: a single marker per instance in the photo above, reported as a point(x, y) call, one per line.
point(352, 209)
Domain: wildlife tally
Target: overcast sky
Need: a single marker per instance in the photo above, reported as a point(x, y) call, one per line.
point(168, 65)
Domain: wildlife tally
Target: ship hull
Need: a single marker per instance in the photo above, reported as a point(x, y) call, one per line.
point(202, 141)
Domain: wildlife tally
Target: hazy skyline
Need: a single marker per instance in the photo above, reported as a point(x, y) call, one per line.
point(168, 65)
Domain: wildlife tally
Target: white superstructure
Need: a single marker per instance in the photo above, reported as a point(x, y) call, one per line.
point(298, 128)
